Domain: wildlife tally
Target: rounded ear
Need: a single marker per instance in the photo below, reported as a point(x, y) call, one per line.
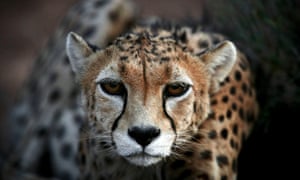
point(78, 51)
point(220, 61)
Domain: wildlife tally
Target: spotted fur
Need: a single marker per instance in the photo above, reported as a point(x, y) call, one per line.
point(158, 102)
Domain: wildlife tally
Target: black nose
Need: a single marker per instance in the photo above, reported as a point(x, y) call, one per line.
point(143, 135)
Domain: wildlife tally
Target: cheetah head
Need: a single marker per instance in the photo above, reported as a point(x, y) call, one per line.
point(144, 95)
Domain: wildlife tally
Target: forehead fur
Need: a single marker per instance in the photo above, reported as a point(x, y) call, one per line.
point(144, 56)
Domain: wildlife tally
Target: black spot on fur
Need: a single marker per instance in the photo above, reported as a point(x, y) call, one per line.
point(221, 118)
point(183, 37)
point(228, 114)
point(232, 90)
point(222, 160)
point(224, 133)
point(123, 58)
point(234, 106)
point(235, 129)
point(237, 75)
point(212, 134)
point(227, 79)
point(214, 102)
point(225, 99)
point(211, 115)
point(244, 88)
point(232, 143)
point(42, 132)
point(165, 59)
point(128, 36)
point(206, 154)
point(54, 96)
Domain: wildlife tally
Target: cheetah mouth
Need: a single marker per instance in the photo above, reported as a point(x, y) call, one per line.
point(143, 159)
point(141, 154)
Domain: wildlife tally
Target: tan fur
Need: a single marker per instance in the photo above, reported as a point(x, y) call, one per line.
point(208, 135)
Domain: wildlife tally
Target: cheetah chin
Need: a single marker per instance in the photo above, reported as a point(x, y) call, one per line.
point(143, 159)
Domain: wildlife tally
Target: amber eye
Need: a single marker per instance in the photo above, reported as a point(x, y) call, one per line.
point(113, 87)
point(176, 89)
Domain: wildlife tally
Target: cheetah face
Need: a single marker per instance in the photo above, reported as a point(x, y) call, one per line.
point(147, 110)
point(141, 105)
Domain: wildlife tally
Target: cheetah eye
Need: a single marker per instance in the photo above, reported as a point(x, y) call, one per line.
point(176, 89)
point(113, 87)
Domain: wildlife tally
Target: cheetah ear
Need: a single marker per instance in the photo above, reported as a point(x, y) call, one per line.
point(220, 62)
point(78, 51)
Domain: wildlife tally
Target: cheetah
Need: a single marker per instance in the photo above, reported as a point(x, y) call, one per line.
point(155, 100)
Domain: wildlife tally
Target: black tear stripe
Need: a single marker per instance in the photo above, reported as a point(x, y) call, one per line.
point(115, 124)
point(169, 117)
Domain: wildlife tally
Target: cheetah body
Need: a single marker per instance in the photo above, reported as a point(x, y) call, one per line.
point(158, 102)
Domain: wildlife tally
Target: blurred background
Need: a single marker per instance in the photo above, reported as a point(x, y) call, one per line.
point(267, 30)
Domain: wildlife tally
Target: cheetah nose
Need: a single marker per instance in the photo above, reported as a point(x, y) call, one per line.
point(143, 135)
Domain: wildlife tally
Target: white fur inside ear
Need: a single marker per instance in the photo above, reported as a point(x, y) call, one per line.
point(220, 60)
point(78, 51)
